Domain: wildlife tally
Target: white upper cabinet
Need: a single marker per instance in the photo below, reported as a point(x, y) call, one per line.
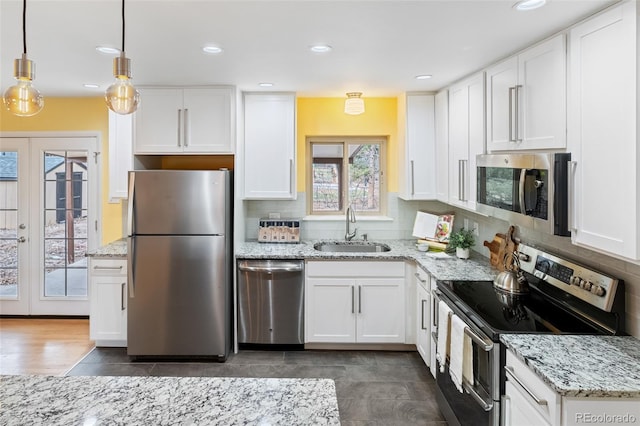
point(442, 145)
point(198, 120)
point(269, 151)
point(526, 99)
point(603, 132)
point(120, 154)
point(417, 155)
point(466, 139)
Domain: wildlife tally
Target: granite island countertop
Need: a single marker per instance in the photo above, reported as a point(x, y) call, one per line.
point(476, 268)
point(116, 248)
point(77, 400)
point(581, 365)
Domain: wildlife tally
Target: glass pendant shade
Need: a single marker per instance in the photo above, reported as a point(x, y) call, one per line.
point(354, 105)
point(23, 99)
point(122, 97)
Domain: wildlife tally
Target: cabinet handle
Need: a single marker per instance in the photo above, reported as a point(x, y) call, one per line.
point(462, 196)
point(179, 127)
point(518, 118)
point(422, 316)
point(353, 300)
point(512, 375)
point(359, 299)
point(107, 268)
point(511, 91)
point(185, 127)
point(291, 177)
point(420, 279)
point(571, 187)
point(413, 189)
point(122, 293)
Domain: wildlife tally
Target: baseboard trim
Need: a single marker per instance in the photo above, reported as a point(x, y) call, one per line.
point(398, 347)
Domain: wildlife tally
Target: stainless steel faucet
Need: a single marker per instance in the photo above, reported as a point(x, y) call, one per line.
point(350, 218)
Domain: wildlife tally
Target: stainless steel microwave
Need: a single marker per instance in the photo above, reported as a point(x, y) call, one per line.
point(529, 190)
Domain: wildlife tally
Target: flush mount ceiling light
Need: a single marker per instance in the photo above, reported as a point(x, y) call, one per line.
point(90, 85)
point(23, 99)
point(525, 5)
point(320, 48)
point(121, 97)
point(423, 77)
point(212, 50)
point(265, 84)
point(108, 50)
point(354, 104)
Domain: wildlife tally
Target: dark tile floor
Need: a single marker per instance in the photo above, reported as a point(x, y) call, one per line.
point(373, 388)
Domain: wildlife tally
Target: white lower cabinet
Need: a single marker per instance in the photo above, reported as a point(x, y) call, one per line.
point(354, 302)
point(108, 301)
point(423, 316)
point(528, 400)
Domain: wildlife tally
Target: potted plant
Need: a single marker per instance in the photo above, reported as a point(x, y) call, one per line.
point(461, 241)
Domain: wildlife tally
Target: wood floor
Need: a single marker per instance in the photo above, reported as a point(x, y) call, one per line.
point(42, 346)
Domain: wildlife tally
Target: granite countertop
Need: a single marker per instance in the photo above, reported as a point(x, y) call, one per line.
point(116, 248)
point(476, 268)
point(582, 366)
point(53, 400)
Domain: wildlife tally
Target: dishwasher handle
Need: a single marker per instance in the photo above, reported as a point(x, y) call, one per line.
point(270, 266)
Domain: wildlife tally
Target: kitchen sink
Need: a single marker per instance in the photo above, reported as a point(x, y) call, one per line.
point(351, 247)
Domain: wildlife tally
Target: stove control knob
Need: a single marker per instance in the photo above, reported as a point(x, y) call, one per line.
point(588, 285)
point(574, 280)
point(583, 283)
point(598, 290)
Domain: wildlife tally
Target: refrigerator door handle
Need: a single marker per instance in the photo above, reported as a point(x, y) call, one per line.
point(132, 178)
point(130, 271)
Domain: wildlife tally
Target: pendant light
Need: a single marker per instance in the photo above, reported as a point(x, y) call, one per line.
point(23, 99)
point(121, 96)
point(354, 105)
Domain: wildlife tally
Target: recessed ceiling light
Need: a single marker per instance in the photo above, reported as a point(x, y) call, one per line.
point(265, 84)
point(108, 50)
point(525, 5)
point(423, 77)
point(212, 50)
point(320, 48)
point(91, 85)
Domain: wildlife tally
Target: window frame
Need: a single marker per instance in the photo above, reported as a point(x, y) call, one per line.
point(344, 186)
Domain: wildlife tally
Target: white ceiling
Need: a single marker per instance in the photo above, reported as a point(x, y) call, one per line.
point(378, 46)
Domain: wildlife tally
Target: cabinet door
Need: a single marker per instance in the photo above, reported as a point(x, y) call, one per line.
point(602, 132)
point(330, 310)
point(542, 94)
point(476, 136)
point(442, 145)
point(518, 411)
point(269, 146)
point(120, 154)
point(381, 314)
point(502, 80)
point(418, 173)
point(158, 122)
point(423, 328)
point(108, 298)
point(208, 120)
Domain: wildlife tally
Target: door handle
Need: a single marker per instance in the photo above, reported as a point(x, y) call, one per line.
point(22, 226)
point(422, 316)
point(185, 127)
point(122, 296)
point(511, 137)
point(353, 300)
point(413, 185)
point(22, 239)
point(179, 127)
point(359, 299)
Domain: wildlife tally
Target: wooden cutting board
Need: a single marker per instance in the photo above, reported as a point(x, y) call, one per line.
point(494, 248)
point(500, 246)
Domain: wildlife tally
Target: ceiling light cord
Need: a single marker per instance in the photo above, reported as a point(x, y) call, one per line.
point(24, 26)
point(122, 25)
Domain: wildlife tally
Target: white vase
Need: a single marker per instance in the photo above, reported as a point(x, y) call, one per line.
point(462, 253)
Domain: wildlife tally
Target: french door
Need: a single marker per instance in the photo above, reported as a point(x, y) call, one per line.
point(49, 200)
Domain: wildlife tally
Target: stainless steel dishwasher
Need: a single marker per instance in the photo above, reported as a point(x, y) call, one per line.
point(271, 302)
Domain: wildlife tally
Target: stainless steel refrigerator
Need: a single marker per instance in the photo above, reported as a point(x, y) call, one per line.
point(179, 263)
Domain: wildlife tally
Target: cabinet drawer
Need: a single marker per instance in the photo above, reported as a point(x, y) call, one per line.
point(108, 267)
point(354, 269)
point(422, 279)
point(549, 400)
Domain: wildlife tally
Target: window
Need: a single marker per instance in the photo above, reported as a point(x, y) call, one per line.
point(344, 172)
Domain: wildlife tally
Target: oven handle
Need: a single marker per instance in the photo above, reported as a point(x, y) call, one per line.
point(486, 405)
point(484, 344)
point(512, 375)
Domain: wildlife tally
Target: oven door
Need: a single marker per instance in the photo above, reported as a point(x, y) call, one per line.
point(479, 404)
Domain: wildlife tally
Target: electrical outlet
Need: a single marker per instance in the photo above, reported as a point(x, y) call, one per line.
point(274, 215)
point(465, 223)
point(476, 229)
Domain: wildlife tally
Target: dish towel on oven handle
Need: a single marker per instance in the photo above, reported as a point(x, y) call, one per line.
point(461, 354)
point(444, 324)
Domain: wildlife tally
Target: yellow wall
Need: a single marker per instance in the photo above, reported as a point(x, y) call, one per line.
point(326, 117)
point(75, 114)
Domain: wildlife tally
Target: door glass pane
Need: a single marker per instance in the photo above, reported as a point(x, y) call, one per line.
point(65, 223)
point(364, 177)
point(8, 224)
point(327, 177)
